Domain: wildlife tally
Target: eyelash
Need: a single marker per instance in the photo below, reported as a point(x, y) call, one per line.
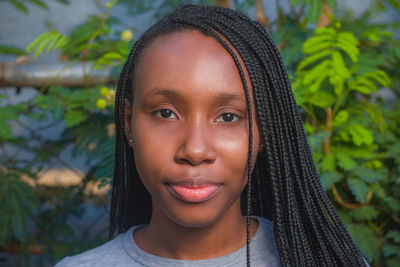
point(158, 113)
point(235, 117)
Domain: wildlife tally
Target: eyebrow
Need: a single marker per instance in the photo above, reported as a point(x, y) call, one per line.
point(224, 98)
point(218, 98)
point(169, 93)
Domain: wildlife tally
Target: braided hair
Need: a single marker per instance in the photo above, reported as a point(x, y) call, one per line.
point(284, 185)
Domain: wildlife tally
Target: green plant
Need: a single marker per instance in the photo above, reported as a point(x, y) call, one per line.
point(336, 85)
point(338, 65)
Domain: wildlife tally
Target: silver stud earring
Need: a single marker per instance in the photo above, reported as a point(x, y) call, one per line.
point(130, 140)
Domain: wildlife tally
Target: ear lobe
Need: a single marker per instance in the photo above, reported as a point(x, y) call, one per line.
point(261, 147)
point(127, 121)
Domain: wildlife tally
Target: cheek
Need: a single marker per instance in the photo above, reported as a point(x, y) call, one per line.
point(152, 148)
point(231, 146)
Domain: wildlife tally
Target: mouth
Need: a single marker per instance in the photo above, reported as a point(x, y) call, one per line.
point(194, 191)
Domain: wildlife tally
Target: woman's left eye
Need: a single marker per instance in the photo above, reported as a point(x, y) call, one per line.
point(228, 117)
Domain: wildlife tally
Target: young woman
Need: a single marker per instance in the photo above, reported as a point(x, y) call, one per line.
point(212, 165)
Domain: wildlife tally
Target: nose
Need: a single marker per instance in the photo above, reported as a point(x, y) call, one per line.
point(196, 146)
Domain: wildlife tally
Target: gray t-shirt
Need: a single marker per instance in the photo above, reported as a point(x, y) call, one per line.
point(123, 251)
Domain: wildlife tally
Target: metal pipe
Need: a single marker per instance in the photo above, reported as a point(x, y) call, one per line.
point(62, 74)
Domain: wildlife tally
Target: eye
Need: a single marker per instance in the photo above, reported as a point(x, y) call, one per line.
point(165, 114)
point(228, 117)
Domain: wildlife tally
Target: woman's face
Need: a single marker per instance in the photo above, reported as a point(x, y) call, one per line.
point(189, 126)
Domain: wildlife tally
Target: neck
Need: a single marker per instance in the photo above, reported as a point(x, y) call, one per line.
point(166, 238)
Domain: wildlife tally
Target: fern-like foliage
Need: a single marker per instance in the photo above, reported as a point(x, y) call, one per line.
point(48, 41)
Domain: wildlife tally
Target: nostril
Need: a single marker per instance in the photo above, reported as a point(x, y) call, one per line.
point(194, 160)
point(194, 155)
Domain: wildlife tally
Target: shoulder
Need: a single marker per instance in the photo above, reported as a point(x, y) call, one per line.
point(265, 229)
point(112, 253)
point(262, 246)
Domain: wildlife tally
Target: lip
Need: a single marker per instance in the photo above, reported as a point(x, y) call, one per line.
point(194, 190)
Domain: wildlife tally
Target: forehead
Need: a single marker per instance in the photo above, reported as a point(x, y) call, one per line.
point(188, 56)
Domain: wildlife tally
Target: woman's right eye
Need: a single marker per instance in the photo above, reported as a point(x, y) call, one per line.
point(165, 114)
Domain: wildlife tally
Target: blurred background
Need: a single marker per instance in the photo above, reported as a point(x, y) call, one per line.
point(59, 64)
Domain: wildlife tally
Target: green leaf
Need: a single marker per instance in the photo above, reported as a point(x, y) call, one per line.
point(106, 164)
point(321, 99)
point(340, 118)
point(320, 38)
point(393, 261)
point(309, 128)
point(360, 135)
point(49, 40)
point(348, 38)
point(19, 5)
point(331, 3)
point(348, 43)
point(17, 218)
point(108, 58)
point(365, 240)
point(394, 151)
point(317, 43)
point(395, 235)
point(327, 31)
point(296, 2)
point(367, 175)
point(374, 36)
point(391, 250)
point(338, 83)
point(316, 85)
point(39, 3)
point(329, 163)
point(364, 213)
point(390, 201)
point(380, 76)
point(395, 3)
point(312, 59)
point(365, 152)
point(11, 50)
point(74, 117)
point(329, 178)
point(314, 10)
point(42, 45)
point(6, 114)
point(346, 162)
point(316, 72)
point(4, 225)
point(369, 62)
point(396, 52)
point(362, 89)
point(363, 80)
point(5, 130)
point(339, 66)
point(358, 188)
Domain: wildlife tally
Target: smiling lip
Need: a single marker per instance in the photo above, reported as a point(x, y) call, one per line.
point(194, 190)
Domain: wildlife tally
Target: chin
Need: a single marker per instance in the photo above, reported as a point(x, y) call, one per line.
point(195, 217)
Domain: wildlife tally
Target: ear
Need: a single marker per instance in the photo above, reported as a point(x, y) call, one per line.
point(261, 146)
point(127, 121)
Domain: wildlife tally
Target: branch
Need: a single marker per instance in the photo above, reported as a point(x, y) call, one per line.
point(324, 19)
point(328, 128)
point(261, 16)
point(345, 204)
point(223, 3)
